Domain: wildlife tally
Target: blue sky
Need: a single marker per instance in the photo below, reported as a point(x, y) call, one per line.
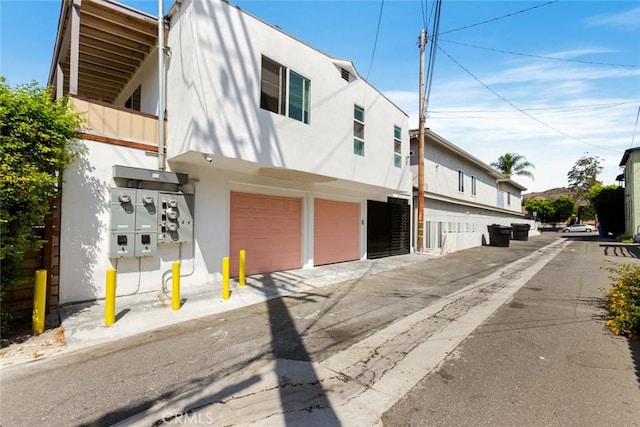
point(483, 99)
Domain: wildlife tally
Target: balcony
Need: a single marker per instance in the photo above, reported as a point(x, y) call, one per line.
point(104, 122)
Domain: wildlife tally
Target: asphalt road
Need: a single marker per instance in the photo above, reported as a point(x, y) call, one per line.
point(546, 352)
point(545, 359)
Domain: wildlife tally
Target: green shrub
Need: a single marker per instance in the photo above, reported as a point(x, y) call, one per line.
point(36, 145)
point(623, 300)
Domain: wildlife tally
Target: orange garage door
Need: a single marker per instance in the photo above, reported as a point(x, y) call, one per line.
point(336, 231)
point(269, 228)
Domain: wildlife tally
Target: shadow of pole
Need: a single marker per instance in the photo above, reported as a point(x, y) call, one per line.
point(300, 388)
point(634, 348)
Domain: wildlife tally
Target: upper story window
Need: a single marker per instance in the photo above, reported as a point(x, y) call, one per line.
point(273, 91)
point(508, 198)
point(461, 181)
point(358, 130)
point(134, 101)
point(397, 146)
point(474, 186)
point(299, 97)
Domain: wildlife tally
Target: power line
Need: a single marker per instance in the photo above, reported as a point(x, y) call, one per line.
point(435, 32)
point(564, 109)
point(540, 56)
point(556, 111)
point(519, 109)
point(501, 17)
point(424, 13)
point(375, 43)
point(633, 137)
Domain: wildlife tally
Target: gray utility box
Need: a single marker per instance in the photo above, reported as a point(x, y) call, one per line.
point(123, 222)
point(146, 241)
point(134, 222)
point(176, 221)
point(141, 219)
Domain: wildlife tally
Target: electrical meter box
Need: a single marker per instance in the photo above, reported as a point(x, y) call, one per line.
point(134, 222)
point(123, 222)
point(176, 219)
point(140, 219)
point(146, 209)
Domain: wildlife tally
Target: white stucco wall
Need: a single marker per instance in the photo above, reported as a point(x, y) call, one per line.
point(147, 78)
point(214, 89)
point(85, 223)
point(213, 107)
point(457, 220)
point(632, 193)
point(441, 177)
point(441, 167)
point(463, 227)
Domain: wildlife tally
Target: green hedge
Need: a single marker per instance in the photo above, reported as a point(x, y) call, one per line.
point(623, 300)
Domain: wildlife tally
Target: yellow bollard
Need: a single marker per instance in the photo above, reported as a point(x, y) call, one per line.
point(110, 299)
point(175, 286)
point(39, 301)
point(225, 278)
point(242, 267)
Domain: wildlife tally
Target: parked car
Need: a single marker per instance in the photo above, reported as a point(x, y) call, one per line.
point(577, 227)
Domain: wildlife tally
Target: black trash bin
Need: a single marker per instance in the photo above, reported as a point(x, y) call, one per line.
point(499, 235)
point(520, 231)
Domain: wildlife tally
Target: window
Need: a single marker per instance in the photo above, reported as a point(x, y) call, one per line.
point(273, 91)
point(299, 97)
point(273, 86)
point(474, 186)
point(508, 199)
point(134, 101)
point(358, 130)
point(461, 181)
point(397, 146)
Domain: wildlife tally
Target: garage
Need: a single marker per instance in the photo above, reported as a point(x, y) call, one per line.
point(269, 229)
point(336, 231)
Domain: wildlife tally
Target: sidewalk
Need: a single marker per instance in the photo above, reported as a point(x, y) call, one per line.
point(82, 324)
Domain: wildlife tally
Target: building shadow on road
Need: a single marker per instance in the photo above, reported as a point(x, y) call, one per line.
point(300, 388)
point(621, 250)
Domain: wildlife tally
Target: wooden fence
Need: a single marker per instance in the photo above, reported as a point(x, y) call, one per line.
point(19, 300)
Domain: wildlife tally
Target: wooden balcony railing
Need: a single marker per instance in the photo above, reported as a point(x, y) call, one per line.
point(109, 123)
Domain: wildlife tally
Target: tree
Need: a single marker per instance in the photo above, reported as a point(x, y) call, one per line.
point(36, 135)
point(563, 208)
point(513, 164)
point(583, 176)
point(542, 207)
point(608, 202)
point(551, 210)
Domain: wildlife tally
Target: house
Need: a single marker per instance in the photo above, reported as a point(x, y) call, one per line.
point(631, 176)
point(462, 196)
point(237, 137)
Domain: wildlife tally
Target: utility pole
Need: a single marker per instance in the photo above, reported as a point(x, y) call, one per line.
point(420, 198)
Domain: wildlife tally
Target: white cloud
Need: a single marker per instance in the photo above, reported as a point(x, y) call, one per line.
point(568, 54)
point(561, 96)
point(626, 20)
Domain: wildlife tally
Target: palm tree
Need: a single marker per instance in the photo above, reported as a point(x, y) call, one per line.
point(513, 164)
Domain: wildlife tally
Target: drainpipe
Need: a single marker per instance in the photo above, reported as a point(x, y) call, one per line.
point(161, 85)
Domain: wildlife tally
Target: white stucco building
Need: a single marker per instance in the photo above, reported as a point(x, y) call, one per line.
point(463, 195)
point(631, 176)
point(268, 145)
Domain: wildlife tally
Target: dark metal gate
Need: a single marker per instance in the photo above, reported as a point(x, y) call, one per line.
point(388, 228)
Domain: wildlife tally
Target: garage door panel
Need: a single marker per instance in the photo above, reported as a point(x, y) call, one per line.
point(336, 231)
point(269, 229)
